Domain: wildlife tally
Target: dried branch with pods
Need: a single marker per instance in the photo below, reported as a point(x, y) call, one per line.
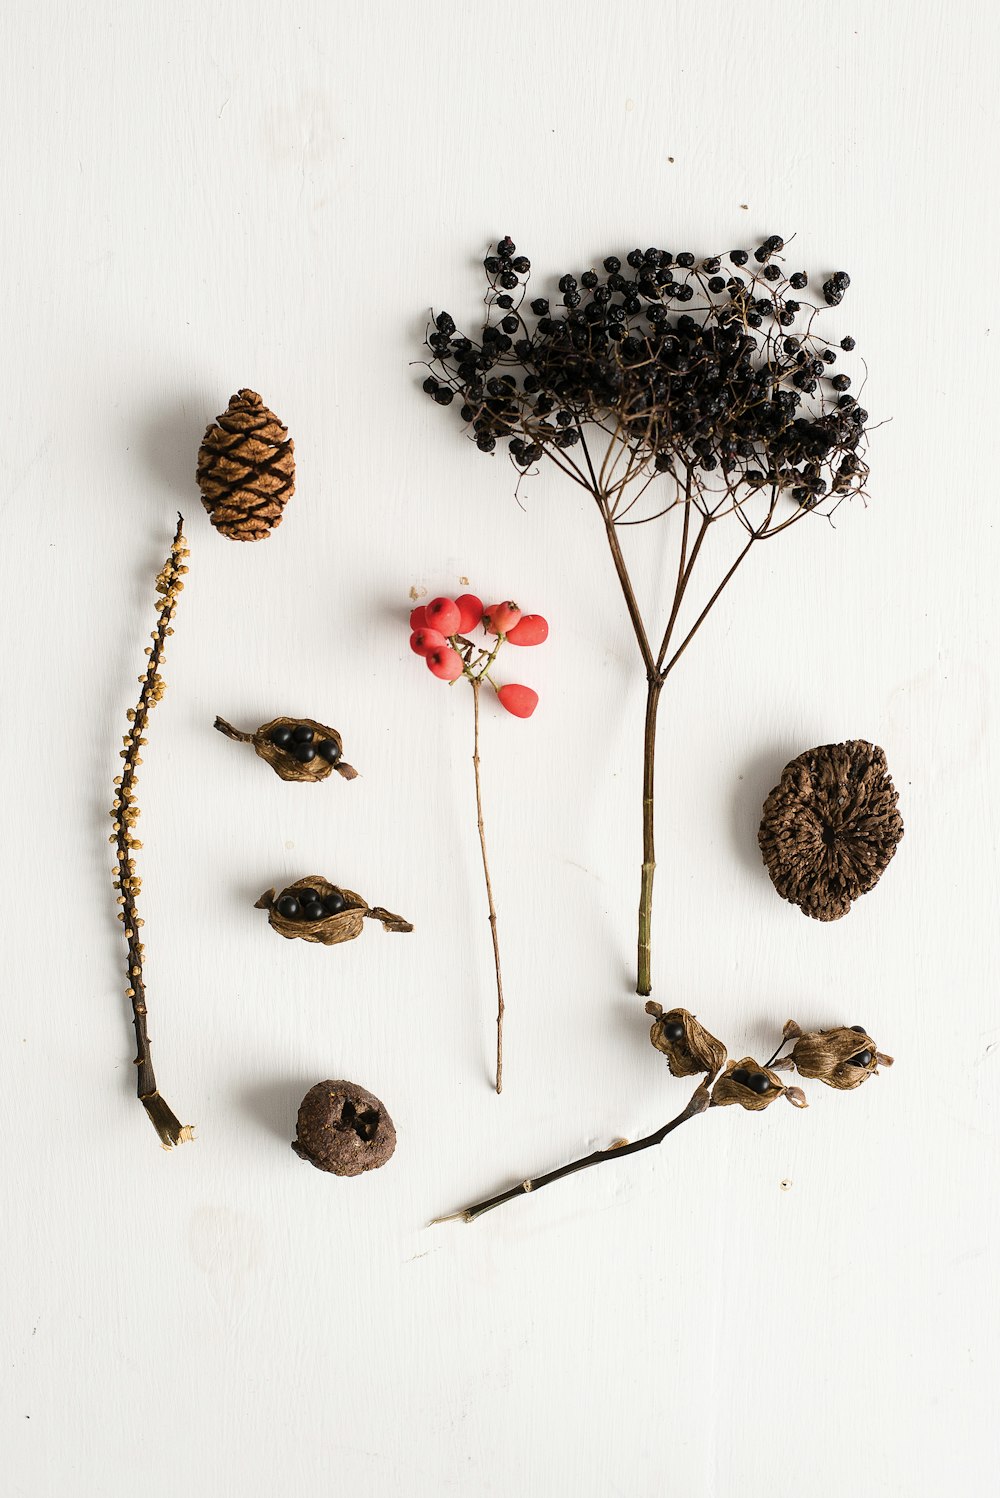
point(125, 814)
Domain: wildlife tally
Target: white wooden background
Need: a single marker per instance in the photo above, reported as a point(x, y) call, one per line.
point(199, 196)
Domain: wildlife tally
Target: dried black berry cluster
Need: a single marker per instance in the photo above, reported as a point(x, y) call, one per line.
point(698, 369)
point(307, 905)
point(299, 741)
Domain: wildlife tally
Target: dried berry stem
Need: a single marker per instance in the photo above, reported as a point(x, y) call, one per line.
point(125, 813)
point(476, 684)
point(697, 1104)
point(644, 983)
point(231, 732)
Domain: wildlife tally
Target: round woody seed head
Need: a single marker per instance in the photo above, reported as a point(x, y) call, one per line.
point(343, 1129)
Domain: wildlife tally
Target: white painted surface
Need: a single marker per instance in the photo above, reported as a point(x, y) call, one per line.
point(202, 196)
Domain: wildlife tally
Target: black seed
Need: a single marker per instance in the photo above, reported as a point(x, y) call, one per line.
point(281, 736)
point(329, 750)
point(306, 896)
point(304, 753)
point(863, 1058)
point(673, 1030)
point(289, 907)
point(741, 1075)
point(335, 903)
point(314, 911)
point(859, 1029)
point(759, 1083)
point(301, 734)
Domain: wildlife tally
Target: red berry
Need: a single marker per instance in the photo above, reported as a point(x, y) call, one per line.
point(443, 614)
point(445, 663)
point(531, 629)
point(418, 618)
point(470, 609)
point(521, 701)
point(423, 641)
point(499, 618)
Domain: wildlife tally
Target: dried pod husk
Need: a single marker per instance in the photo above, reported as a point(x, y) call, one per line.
point(283, 761)
point(687, 1045)
point(729, 1090)
point(344, 1129)
point(843, 1057)
point(830, 827)
point(246, 469)
point(332, 929)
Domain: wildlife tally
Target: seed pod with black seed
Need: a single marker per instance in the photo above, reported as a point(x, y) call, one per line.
point(246, 469)
point(687, 1045)
point(276, 743)
point(343, 912)
point(343, 1129)
point(753, 1087)
point(843, 1057)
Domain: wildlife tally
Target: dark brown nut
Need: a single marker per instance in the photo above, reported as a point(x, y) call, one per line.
point(687, 1045)
point(330, 929)
point(246, 469)
point(830, 827)
point(283, 758)
point(752, 1086)
point(843, 1057)
point(344, 1129)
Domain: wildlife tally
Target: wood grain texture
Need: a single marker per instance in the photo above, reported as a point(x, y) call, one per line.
point(204, 196)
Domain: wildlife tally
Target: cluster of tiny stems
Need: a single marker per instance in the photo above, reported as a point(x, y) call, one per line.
point(125, 815)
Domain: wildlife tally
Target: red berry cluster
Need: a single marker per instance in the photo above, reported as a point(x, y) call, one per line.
point(440, 634)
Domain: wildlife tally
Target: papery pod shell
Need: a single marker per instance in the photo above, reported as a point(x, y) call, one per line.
point(726, 1091)
point(282, 761)
point(825, 1055)
point(246, 469)
point(698, 1052)
point(332, 929)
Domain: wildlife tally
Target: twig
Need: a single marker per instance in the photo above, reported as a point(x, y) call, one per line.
point(125, 814)
point(476, 683)
point(697, 1104)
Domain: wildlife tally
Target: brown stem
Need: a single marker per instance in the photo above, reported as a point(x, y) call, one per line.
point(697, 1104)
point(124, 813)
point(644, 980)
point(476, 684)
point(231, 732)
point(626, 585)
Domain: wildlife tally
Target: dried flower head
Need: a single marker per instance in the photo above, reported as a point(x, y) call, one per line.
point(687, 1045)
point(843, 1057)
point(830, 827)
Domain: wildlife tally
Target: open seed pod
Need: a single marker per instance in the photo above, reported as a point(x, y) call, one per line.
point(344, 1129)
point(687, 1045)
point(275, 743)
point(742, 1083)
point(342, 922)
point(842, 1058)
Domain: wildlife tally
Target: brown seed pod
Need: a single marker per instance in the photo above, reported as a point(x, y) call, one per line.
point(830, 827)
point(246, 469)
point(344, 1129)
point(842, 1058)
point(687, 1045)
point(331, 930)
point(282, 761)
point(736, 1086)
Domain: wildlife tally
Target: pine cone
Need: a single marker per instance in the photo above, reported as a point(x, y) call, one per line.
point(246, 469)
point(830, 827)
